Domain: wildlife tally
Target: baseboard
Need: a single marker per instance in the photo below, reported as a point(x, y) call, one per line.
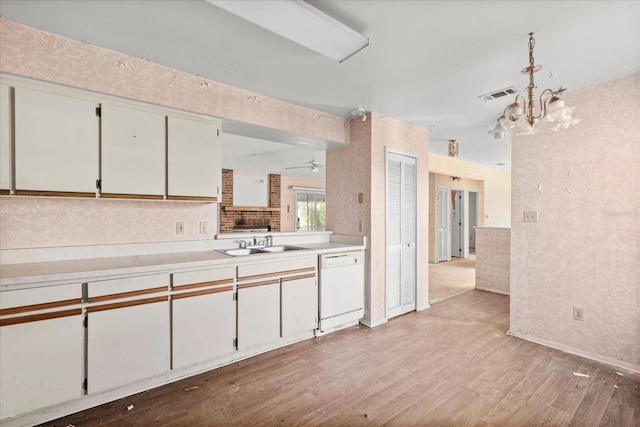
point(423, 307)
point(373, 324)
point(567, 349)
point(497, 291)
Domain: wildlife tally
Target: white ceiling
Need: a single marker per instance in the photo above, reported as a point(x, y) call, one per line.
point(427, 62)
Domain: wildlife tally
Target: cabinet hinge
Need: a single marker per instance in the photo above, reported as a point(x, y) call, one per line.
point(99, 184)
point(98, 111)
point(85, 384)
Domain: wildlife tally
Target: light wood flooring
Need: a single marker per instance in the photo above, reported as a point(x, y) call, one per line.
point(451, 365)
point(450, 278)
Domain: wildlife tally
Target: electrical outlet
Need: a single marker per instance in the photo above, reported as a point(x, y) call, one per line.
point(578, 313)
point(204, 227)
point(530, 216)
point(179, 227)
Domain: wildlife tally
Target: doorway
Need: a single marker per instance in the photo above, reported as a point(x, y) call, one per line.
point(442, 242)
point(473, 219)
point(457, 223)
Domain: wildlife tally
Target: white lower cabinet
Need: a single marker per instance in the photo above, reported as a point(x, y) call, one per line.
point(276, 300)
point(299, 304)
point(258, 313)
point(41, 348)
point(203, 316)
point(60, 343)
point(128, 331)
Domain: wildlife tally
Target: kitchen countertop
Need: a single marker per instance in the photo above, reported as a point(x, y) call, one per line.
point(34, 274)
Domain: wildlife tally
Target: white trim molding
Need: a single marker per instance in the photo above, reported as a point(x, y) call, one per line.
point(567, 349)
point(373, 323)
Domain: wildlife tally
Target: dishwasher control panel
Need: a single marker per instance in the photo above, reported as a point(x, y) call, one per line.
point(340, 260)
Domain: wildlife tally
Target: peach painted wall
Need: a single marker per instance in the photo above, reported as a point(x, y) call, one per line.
point(584, 251)
point(348, 173)
point(360, 167)
point(288, 202)
point(33, 53)
point(492, 259)
point(497, 186)
point(39, 222)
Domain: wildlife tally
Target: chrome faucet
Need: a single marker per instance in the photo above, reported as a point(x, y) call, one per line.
point(269, 240)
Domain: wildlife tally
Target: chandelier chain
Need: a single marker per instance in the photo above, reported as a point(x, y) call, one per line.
point(532, 64)
point(522, 111)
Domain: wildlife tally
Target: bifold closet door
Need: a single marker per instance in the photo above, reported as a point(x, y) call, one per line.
point(401, 217)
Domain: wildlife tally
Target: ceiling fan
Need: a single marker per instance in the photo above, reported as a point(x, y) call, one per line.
point(312, 164)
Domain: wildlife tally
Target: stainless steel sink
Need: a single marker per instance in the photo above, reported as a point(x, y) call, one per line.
point(260, 250)
point(280, 248)
point(240, 252)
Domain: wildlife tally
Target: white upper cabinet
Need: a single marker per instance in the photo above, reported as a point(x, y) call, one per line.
point(194, 164)
point(56, 144)
point(5, 139)
point(133, 153)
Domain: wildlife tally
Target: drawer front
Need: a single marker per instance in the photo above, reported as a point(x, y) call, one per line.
point(128, 287)
point(210, 277)
point(277, 268)
point(32, 305)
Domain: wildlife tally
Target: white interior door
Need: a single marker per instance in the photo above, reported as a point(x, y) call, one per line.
point(457, 223)
point(401, 217)
point(473, 218)
point(443, 224)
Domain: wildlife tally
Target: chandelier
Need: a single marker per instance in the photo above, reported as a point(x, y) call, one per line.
point(521, 114)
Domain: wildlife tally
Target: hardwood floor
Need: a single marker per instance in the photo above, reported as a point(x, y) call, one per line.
point(450, 278)
point(451, 365)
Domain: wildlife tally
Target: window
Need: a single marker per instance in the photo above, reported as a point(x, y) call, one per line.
point(311, 211)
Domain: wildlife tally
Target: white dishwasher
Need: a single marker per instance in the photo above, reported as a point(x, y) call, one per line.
point(341, 299)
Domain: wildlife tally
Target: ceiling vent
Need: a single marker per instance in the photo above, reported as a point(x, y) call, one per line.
point(498, 94)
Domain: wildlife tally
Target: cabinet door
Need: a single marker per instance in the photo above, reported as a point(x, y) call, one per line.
point(258, 313)
point(133, 153)
point(194, 165)
point(203, 315)
point(128, 330)
point(41, 355)
point(5, 139)
point(56, 144)
point(299, 304)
